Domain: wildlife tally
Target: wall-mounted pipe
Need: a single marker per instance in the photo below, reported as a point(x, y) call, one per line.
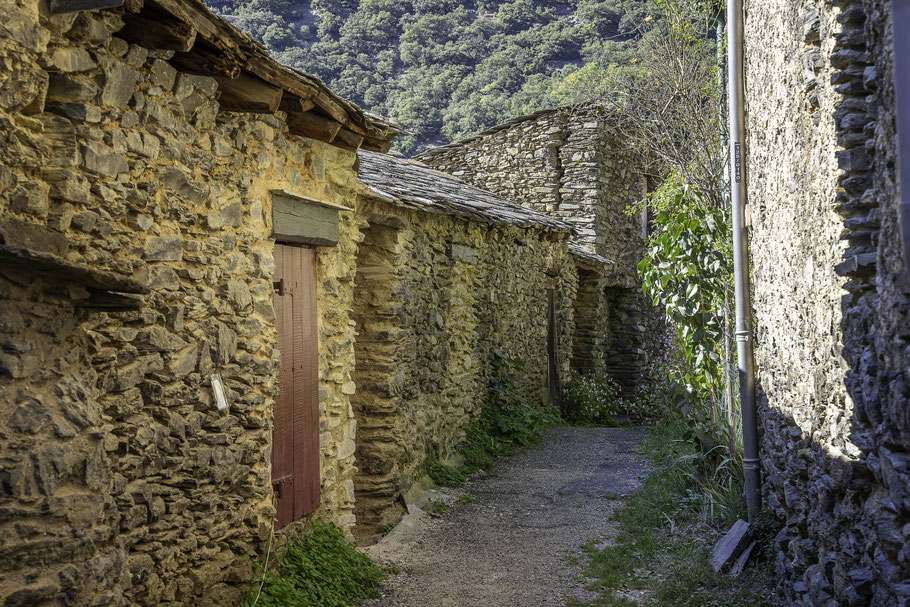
point(742, 288)
point(900, 19)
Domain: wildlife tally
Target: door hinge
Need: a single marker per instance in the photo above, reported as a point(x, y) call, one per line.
point(279, 484)
point(279, 286)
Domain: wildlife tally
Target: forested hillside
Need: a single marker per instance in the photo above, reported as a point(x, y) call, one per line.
point(444, 69)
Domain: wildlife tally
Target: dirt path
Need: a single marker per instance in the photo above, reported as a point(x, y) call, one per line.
point(508, 548)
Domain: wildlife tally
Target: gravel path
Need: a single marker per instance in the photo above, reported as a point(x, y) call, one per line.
point(509, 547)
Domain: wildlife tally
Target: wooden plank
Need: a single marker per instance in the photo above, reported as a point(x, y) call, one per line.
point(304, 199)
point(375, 144)
point(156, 29)
point(292, 103)
point(301, 223)
point(283, 428)
point(347, 139)
point(205, 59)
point(306, 383)
point(272, 71)
point(248, 93)
point(313, 125)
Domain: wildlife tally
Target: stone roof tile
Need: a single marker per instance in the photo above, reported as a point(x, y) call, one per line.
point(412, 184)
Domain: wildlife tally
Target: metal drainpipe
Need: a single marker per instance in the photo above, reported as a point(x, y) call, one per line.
point(742, 289)
point(900, 18)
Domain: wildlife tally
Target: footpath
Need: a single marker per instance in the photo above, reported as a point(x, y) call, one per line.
point(513, 545)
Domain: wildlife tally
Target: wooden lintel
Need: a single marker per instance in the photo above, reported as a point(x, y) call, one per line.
point(156, 29)
point(313, 125)
point(347, 139)
point(248, 93)
point(293, 103)
point(205, 60)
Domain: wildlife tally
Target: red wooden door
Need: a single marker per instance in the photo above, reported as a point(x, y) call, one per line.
point(295, 443)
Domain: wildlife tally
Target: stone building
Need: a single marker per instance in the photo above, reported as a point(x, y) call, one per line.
point(446, 274)
point(571, 163)
point(831, 297)
point(210, 327)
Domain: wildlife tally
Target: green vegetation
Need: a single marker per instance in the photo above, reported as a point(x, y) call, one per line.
point(324, 570)
point(436, 507)
point(667, 531)
point(507, 421)
point(445, 69)
point(598, 400)
point(445, 476)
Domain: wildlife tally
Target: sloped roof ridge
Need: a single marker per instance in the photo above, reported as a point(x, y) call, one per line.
point(412, 184)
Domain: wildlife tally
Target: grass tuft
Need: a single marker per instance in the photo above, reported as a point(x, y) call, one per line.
point(667, 531)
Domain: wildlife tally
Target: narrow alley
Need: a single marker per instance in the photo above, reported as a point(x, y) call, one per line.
point(512, 545)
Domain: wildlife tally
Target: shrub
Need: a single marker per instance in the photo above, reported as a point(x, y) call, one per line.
point(324, 570)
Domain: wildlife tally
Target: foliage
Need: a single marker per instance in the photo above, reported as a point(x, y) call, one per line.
point(436, 507)
point(663, 545)
point(592, 399)
point(664, 94)
point(445, 476)
point(598, 399)
point(688, 270)
point(506, 421)
point(444, 69)
point(324, 570)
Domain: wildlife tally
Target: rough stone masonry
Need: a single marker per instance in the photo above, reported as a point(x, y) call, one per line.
point(832, 296)
point(139, 165)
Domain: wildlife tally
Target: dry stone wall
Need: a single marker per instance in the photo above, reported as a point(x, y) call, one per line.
point(120, 482)
point(571, 164)
point(830, 292)
point(435, 296)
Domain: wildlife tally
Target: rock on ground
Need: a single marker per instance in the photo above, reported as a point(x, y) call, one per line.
point(511, 547)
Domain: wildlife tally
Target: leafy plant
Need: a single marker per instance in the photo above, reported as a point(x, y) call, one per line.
point(667, 531)
point(445, 476)
point(324, 570)
point(436, 507)
point(465, 498)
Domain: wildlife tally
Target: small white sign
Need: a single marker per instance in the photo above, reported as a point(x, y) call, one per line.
point(218, 390)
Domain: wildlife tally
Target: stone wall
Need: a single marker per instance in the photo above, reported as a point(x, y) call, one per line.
point(829, 282)
point(435, 295)
point(120, 482)
point(571, 164)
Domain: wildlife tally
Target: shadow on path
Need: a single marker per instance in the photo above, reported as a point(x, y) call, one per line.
point(508, 548)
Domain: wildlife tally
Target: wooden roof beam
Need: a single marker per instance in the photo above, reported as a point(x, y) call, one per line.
point(347, 139)
point(248, 93)
point(155, 28)
point(293, 103)
point(204, 59)
point(313, 125)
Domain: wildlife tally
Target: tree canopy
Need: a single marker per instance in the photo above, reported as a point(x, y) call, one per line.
point(444, 69)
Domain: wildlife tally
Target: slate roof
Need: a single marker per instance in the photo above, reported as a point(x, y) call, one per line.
point(579, 250)
point(414, 185)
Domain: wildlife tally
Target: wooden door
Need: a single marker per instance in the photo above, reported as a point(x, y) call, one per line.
point(552, 348)
point(295, 442)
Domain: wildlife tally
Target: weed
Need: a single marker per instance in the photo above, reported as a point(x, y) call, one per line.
point(436, 507)
point(506, 422)
point(324, 570)
point(465, 498)
point(383, 529)
point(668, 529)
point(445, 476)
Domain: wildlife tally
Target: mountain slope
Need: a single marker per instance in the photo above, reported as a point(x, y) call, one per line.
point(444, 69)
